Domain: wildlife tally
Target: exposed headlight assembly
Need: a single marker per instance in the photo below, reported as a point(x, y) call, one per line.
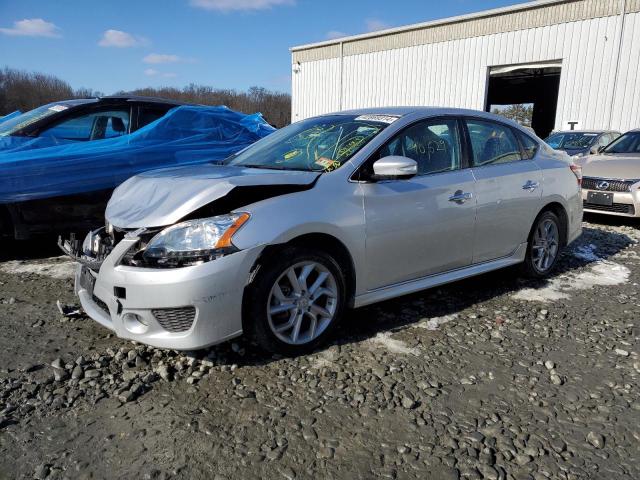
point(194, 241)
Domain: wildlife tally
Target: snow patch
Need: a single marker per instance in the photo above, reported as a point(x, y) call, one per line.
point(435, 322)
point(384, 340)
point(57, 267)
point(601, 273)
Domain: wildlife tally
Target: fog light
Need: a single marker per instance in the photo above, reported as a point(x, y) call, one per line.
point(134, 323)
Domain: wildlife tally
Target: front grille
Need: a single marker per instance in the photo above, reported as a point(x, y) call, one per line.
point(591, 183)
point(616, 207)
point(175, 319)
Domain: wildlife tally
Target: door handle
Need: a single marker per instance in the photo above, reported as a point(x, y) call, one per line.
point(460, 197)
point(531, 186)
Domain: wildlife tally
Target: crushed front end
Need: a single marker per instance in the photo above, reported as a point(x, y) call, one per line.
point(183, 306)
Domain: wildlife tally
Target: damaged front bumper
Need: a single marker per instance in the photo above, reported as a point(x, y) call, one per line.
point(95, 248)
point(180, 308)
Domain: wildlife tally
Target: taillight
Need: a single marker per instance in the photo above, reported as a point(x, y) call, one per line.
point(577, 171)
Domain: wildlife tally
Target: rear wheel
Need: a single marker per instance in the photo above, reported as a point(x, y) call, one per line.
point(544, 246)
point(295, 301)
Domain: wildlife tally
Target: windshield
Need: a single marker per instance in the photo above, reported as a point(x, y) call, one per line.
point(627, 143)
point(573, 140)
point(316, 144)
point(15, 124)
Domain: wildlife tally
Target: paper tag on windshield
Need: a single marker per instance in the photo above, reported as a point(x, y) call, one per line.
point(378, 118)
point(327, 163)
point(58, 108)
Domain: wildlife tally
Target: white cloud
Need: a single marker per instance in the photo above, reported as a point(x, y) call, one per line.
point(32, 27)
point(151, 72)
point(120, 39)
point(374, 24)
point(229, 5)
point(333, 34)
point(161, 58)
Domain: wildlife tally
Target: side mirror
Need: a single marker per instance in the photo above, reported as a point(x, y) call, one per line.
point(601, 148)
point(394, 168)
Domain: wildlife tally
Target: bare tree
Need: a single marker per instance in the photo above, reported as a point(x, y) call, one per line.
point(274, 106)
point(20, 90)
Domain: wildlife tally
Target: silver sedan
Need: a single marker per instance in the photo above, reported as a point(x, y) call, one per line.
point(330, 213)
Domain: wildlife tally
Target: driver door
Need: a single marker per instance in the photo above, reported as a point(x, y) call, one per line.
point(423, 225)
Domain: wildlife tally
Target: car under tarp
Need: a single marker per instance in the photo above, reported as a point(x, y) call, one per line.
point(10, 115)
point(35, 168)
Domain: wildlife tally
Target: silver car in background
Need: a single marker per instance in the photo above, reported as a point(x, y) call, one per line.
point(581, 143)
point(611, 183)
point(332, 212)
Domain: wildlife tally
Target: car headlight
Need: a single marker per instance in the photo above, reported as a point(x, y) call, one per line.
point(194, 241)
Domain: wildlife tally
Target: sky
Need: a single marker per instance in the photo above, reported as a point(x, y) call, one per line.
point(122, 45)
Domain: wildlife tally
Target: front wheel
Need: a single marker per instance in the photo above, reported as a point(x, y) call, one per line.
point(295, 301)
point(544, 246)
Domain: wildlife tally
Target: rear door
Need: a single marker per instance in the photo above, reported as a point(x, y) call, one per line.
point(508, 188)
point(423, 225)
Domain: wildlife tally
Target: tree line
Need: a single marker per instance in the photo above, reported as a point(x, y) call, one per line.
point(22, 90)
point(274, 106)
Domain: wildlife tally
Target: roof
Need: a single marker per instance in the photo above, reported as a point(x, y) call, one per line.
point(506, 19)
point(584, 131)
point(403, 111)
point(74, 102)
point(140, 98)
point(398, 111)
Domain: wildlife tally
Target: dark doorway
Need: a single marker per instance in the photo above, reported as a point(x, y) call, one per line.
point(527, 94)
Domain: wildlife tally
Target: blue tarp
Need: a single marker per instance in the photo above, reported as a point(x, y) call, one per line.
point(10, 115)
point(32, 168)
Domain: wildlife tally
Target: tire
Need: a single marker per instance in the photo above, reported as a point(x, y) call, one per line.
point(536, 265)
point(274, 307)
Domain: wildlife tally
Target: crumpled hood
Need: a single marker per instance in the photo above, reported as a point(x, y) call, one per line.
point(162, 197)
point(622, 167)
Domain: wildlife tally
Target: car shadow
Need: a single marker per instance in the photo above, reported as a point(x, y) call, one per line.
point(32, 249)
point(397, 314)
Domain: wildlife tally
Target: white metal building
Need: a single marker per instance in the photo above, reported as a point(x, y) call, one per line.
point(574, 60)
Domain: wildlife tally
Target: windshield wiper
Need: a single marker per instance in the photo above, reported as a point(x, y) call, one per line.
point(266, 167)
point(270, 167)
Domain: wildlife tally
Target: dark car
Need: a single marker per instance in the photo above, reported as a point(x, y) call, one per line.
point(82, 119)
point(578, 143)
point(59, 163)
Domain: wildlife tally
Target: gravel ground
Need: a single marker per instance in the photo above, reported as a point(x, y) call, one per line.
point(493, 377)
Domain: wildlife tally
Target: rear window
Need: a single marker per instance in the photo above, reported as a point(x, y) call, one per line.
point(569, 140)
point(492, 143)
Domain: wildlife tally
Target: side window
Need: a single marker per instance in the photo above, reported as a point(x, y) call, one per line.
point(150, 114)
point(492, 143)
point(605, 140)
point(92, 126)
point(434, 144)
point(529, 145)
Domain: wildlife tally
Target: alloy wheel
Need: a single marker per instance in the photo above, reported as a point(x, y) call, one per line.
point(546, 242)
point(302, 303)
